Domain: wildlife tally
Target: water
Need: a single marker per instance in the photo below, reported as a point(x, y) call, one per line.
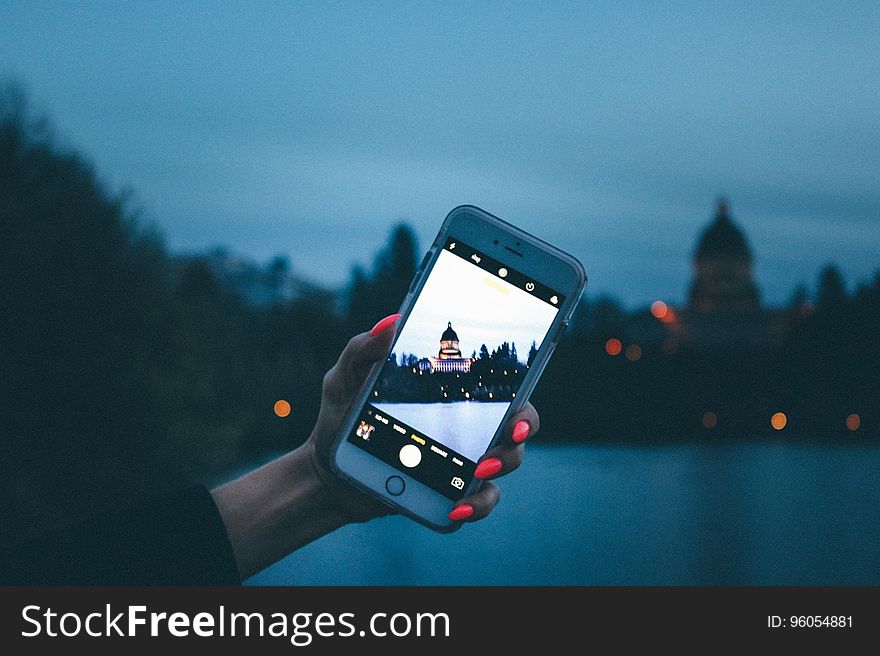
point(748, 513)
point(463, 426)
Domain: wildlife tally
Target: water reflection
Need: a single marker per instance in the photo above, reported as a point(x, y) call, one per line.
point(743, 513)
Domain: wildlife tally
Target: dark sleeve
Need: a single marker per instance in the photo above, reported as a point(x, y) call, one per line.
point(176, 539)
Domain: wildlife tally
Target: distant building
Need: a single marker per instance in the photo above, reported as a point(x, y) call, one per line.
point(449, 359)
point(724, 303)
point(723, 268)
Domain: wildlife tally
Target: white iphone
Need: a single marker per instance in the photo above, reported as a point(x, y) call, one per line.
point(484, 312)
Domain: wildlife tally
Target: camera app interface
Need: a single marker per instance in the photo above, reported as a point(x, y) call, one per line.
point(456, 366)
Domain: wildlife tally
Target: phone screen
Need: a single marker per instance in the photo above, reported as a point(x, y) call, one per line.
point(457, 364)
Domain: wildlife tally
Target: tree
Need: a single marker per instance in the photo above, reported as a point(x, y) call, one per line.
point(504, 351)
point(533, 352)
point(831, 296)
point(360, 309)
point(398, 260)
point(605, 315)
point(85, 329)
point(798, 297)
point(380, 293)
point(277, 272)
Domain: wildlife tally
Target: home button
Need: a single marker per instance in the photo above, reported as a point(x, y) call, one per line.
point(395, 485)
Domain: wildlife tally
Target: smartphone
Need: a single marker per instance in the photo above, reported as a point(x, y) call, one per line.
point(485, 310)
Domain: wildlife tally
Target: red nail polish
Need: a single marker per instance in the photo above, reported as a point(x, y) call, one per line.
point(384, 324)
point(489, 467)
point(463, 511)
point(520, 431)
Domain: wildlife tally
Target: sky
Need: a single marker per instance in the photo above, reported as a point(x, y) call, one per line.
point(482, 308)
point(608, 129)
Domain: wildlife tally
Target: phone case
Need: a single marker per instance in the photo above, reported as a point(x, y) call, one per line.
point(556, 330)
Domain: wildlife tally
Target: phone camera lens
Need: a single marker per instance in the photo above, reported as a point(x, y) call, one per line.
point(495, 242)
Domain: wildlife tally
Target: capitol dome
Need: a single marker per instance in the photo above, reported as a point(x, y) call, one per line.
point(723, 237)
point(723, 278)
point(449, 359)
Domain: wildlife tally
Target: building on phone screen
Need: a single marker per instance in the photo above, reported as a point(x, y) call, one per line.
point(449, 358)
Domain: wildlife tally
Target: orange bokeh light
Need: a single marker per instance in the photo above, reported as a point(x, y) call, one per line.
point(853, 422)
point(710, 419)
point(778, 420)
point(659, 309)
point(669, 316)
point(633, 352)
point(282, 408)
point(613, 346)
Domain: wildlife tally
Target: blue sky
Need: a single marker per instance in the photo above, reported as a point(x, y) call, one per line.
point(608, 129)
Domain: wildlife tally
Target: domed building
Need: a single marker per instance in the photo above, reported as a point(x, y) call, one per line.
point(724, 304)
point(724, 307)
point(723, 279)
point(449, 343)
point(449, 359)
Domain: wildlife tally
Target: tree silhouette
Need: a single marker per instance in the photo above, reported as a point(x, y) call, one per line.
point(533, 352)
point(84, 326)
point(379, 294)
point(831, 296)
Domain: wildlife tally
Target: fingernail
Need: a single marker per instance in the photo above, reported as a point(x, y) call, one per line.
point(489, 467)
point(384, 324)
point(521, 431)
point(463, 511)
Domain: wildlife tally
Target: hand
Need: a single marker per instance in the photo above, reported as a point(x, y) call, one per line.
point(296, 498)
point(503, 458)
point(343, 382)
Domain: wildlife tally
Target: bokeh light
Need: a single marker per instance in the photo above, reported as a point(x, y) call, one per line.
point(633, 352)
point(778, 420)
point(659, 309)
point(613, 346)
point(670, 317)
point(853, 422)
point(282, 408)
point(710, 419)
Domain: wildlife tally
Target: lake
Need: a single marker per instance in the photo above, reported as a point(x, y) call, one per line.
point(720, 513)
point(464, 426)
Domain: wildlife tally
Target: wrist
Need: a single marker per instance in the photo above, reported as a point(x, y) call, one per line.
point(277, 509)
point(329, 490)
point(311, 496)
point(353, 505)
